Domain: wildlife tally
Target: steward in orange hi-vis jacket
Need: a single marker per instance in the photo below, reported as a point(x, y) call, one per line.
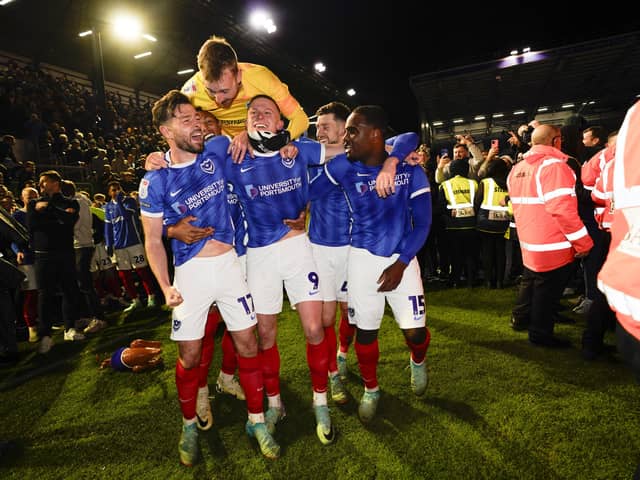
point(542, 191)
point(619, 278)
point(552, 235)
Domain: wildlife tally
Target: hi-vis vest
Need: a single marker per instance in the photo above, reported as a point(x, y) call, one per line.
point(618, 278)
point(512, 232)
point(542, 191)
point(459, 193)
point(492, 216)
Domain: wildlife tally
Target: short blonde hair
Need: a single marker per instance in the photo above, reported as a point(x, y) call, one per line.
point(215, 56)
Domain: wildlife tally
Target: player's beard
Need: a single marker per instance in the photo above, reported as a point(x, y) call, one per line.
point(186, 144)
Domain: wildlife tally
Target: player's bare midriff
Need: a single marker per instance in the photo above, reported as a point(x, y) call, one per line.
point(292, 233)
point(213, 248)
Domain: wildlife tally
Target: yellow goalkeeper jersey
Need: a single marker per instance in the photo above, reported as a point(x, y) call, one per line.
point(256, 79)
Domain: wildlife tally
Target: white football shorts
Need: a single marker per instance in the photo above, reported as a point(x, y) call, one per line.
point(289, 261)
point(204, 280)
point(131, 257)
point(366, 304)
point(332, 268)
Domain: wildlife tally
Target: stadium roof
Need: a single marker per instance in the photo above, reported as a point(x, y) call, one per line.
point(599, 78)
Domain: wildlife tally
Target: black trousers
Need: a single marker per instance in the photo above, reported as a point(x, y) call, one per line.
point(85, 283)
point(600, 317)
point(493, 257)
point(537, 299)
point(462, 250)
point(592, 263)
point(56, 270)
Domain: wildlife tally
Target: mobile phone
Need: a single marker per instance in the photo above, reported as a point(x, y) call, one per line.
point(495, 143)
point(444, 152)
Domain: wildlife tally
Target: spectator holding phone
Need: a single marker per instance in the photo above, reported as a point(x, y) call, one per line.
point(492, 154)
point(465, 150)
point(442, 160)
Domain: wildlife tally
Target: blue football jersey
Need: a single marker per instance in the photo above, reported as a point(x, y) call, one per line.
point(330, 221)
point(380, 225)
point(272, 189)
point(121, 228)
point(197, 188)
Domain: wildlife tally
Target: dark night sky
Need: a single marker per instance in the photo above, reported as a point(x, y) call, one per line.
point(370, 48)
point(376, 50)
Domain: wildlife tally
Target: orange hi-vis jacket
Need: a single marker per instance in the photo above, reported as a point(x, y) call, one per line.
point(545, 208)
point(619, 278)
point(591, 169)
point(602, 195)
point(592, 175)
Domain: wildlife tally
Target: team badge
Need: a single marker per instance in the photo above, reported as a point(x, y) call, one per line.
point(352, 312)
point(288, 162)
point(362, 188)
point(143, 190)
point(207, 166)
point(251, 191)
point(179, 208)
point(176, 324)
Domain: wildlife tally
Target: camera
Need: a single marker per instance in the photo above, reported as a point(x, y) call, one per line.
point(495, 143)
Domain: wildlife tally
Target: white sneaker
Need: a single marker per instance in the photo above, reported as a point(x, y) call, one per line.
point(204, 415)
point(95, 325)
point(72, 335)
point(232, 387)
point(45, 344)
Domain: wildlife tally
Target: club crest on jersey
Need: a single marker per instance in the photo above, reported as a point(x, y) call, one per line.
point(143, 190)
point(352, 312)
point(251, 191)
point(179, 208)
point(362, 187)
point(176, 324)
point(207, 166)
point(288, 162)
